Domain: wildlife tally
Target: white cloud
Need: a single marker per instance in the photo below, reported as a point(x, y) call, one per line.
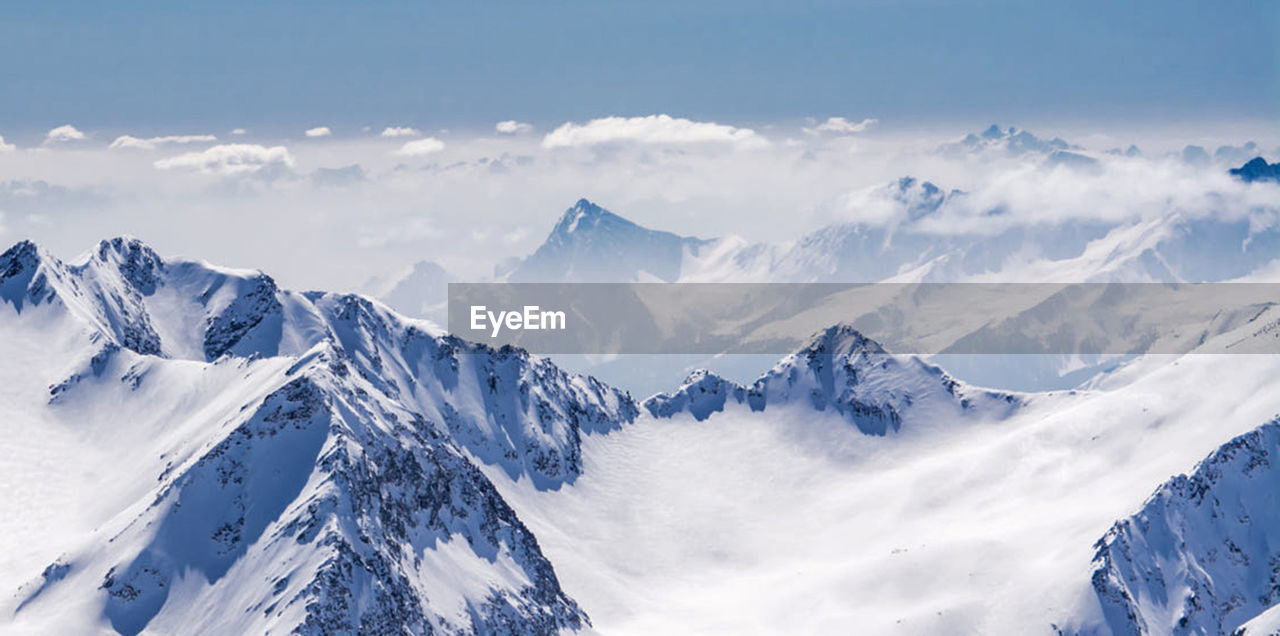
point(127, 141)
point(653, 129)
point(4, 147)
point(421, 147)
point(230, 159)
point(841, 126)
point(320, 131)
point(64, 133)
point(397, 131)
point(511, 127)
point(239, 131)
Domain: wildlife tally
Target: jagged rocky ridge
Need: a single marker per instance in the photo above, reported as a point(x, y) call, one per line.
point(843, 371)
point(1203, 554)
point(342, 480)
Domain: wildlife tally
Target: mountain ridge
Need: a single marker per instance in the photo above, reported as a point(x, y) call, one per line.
point(375, 421)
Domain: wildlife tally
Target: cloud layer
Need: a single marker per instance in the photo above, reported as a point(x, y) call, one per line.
point(397, 131)
point(511, 127)
point(230, 159)
point(64, 133)
point(127, 141)
point(842, 126)
point(653, 129)
point(421, 147)
point(333, 211)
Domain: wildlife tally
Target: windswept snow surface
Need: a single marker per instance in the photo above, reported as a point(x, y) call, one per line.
point(791, 521)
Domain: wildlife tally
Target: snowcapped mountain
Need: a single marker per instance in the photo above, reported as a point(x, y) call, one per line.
point(842, 371)
point(1203, 554)
point(191, 445)
point(1005, 141)
point(591, 244)
point(253, 459)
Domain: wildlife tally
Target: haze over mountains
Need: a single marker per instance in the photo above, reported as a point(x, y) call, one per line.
point(915, 231)
point(907, 231)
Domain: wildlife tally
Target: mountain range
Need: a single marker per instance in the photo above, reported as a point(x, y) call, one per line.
point(193, 448)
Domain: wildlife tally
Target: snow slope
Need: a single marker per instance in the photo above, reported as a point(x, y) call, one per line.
point(789, 520)
point(200, 448)
point(192, 448)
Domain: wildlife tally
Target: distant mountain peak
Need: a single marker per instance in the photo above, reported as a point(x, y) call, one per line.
point(592, 244)
point(842, 371)
point(1257, 169)
point(1011, 140)
point(585, 216)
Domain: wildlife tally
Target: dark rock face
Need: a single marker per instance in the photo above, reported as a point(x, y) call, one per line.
point(140, 266)
point(1203, 554)
point(247, 310)
point(1257, 169)
point(701, 394)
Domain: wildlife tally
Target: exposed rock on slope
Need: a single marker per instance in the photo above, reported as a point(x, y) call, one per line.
point(1203, 554)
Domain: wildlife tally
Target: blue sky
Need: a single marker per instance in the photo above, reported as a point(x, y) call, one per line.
point(463, 64)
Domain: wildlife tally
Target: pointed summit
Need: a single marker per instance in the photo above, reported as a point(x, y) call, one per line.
point(23, 254)
point(22, 277)
point(841, 340)
point(592, 244)
point(140, 266)
point(842, 371)
point(586, 216)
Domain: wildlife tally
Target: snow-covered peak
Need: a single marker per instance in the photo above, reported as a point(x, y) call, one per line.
point(1010, 141)
point(591, 244)
point(586, 218)
point(21, 280)
point(297, 462)
point(136, 262)
point(587, 211)
point(128, 296)
point(843, 371)
point(840, 340)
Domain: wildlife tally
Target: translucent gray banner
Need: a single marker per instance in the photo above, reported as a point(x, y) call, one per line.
point(921, 318)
